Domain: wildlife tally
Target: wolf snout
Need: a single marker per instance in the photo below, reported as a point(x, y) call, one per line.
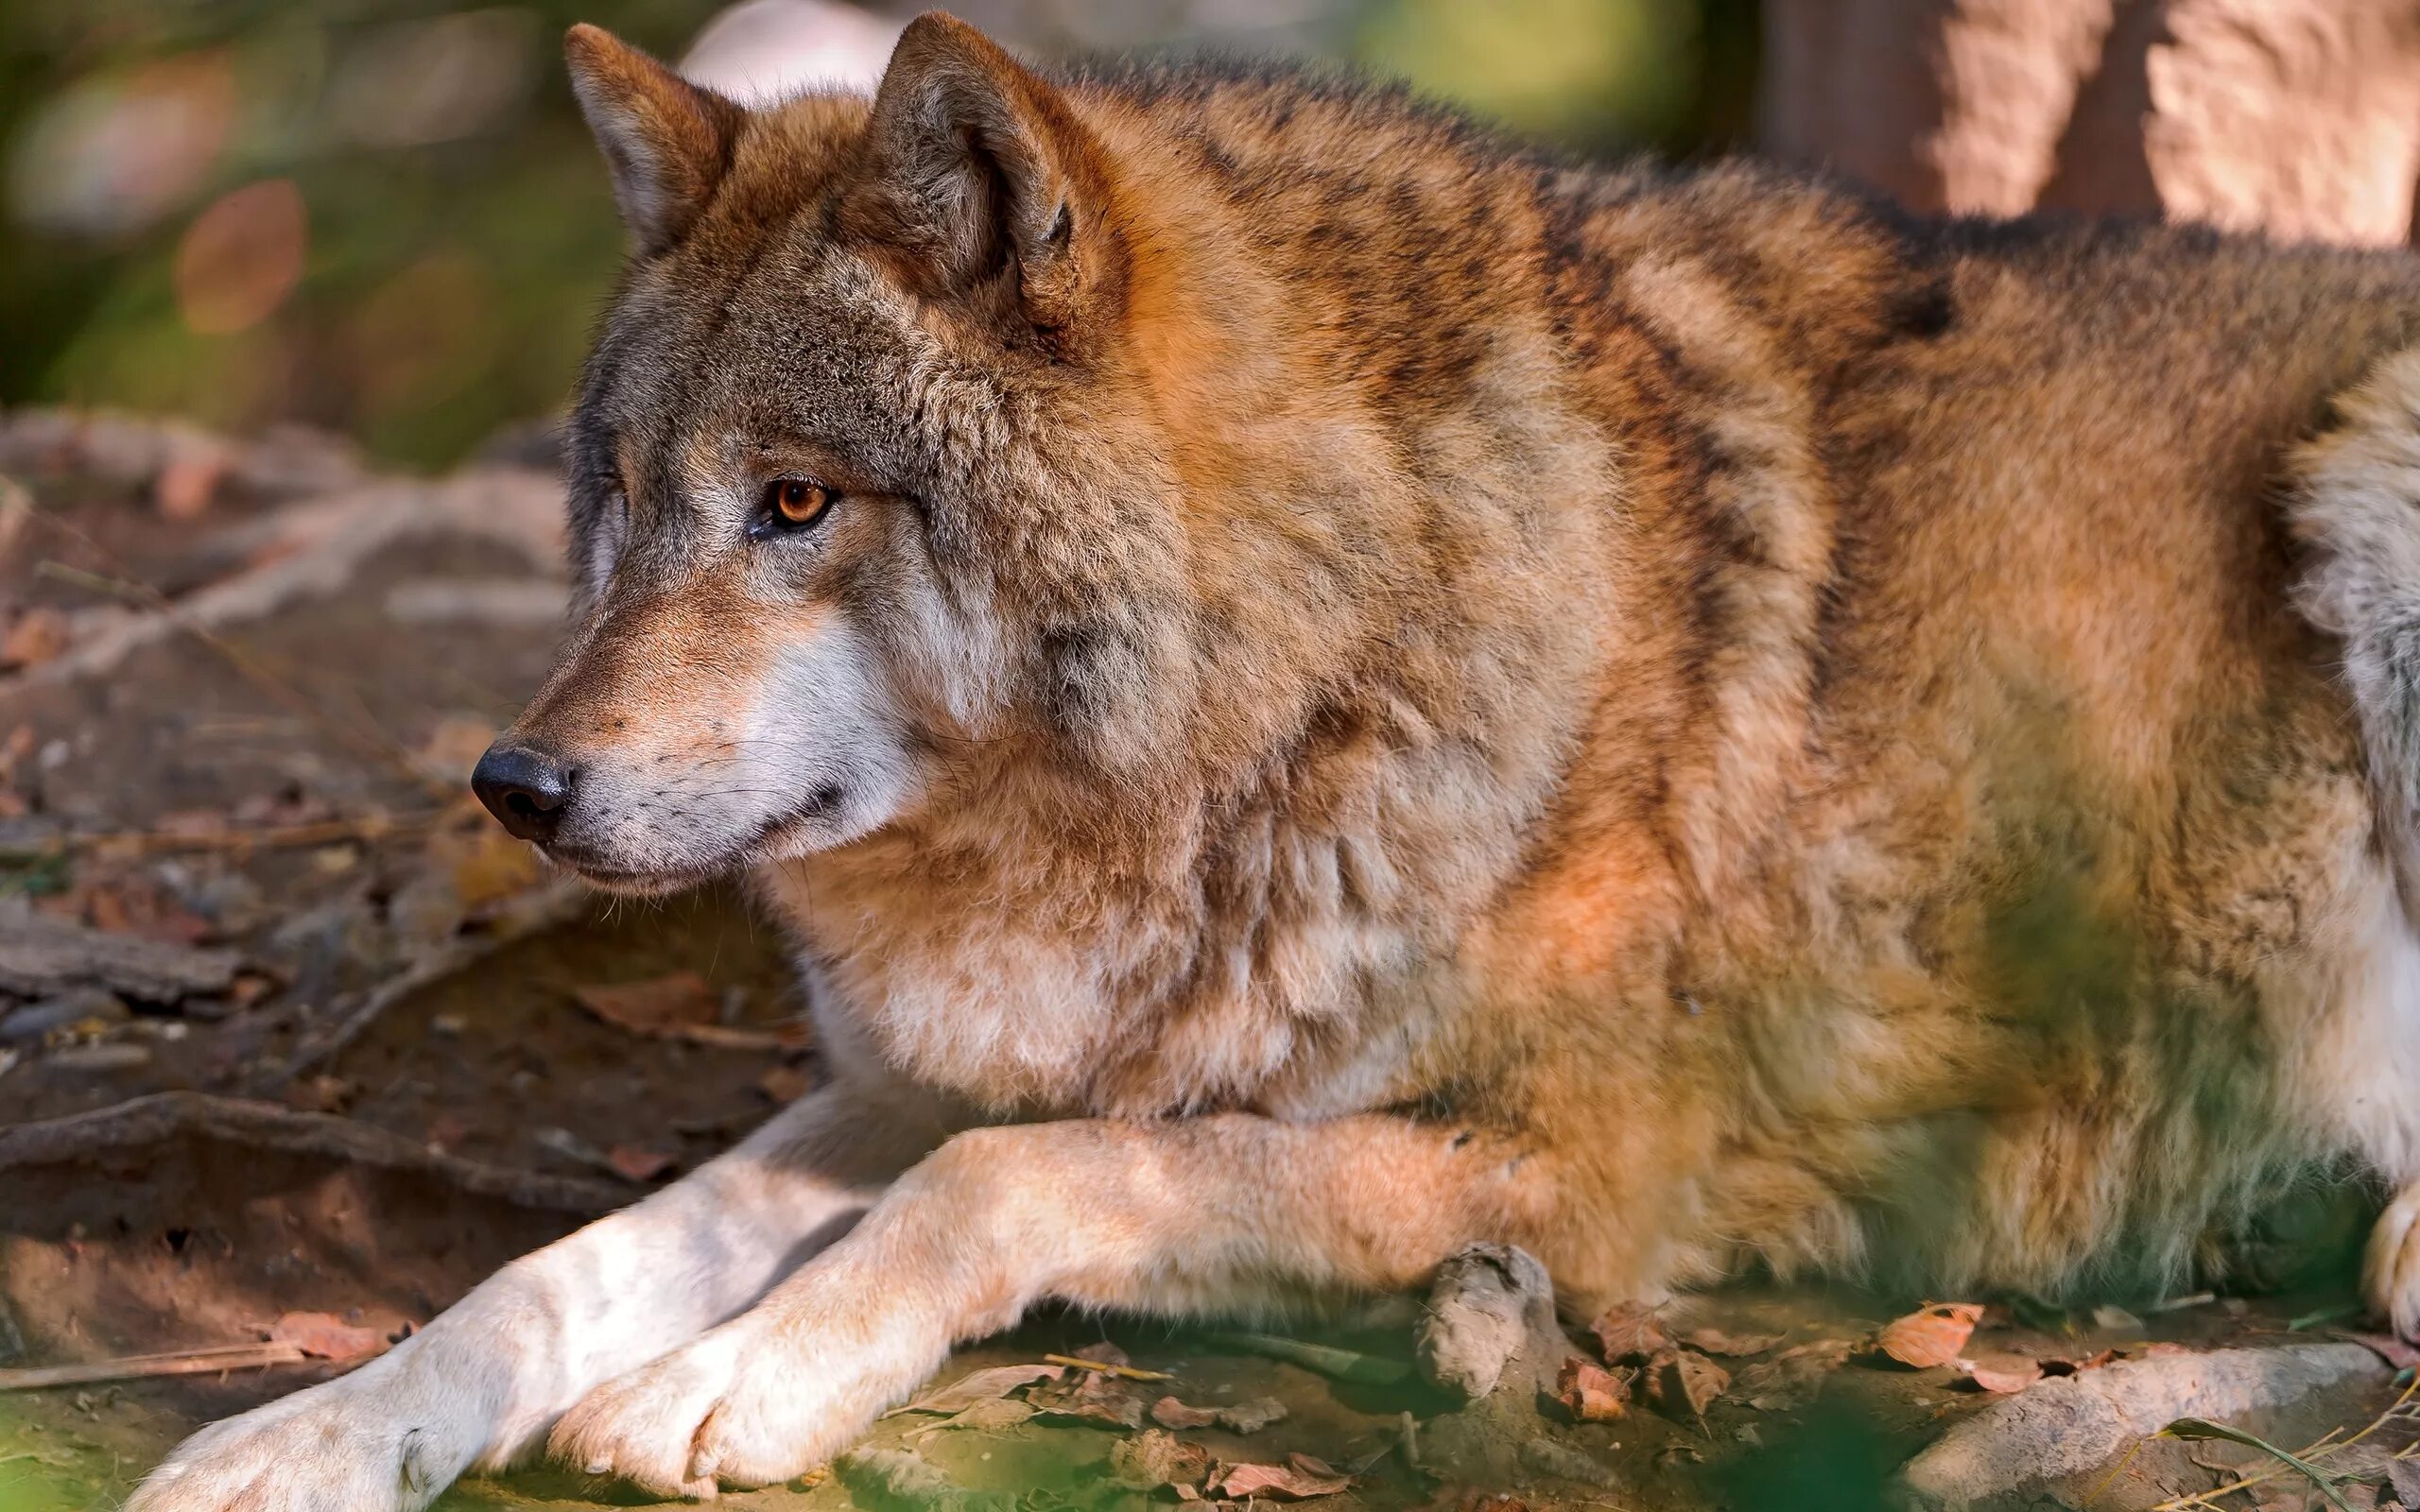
point(528, 790)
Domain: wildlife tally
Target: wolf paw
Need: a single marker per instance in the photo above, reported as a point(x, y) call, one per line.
point(343, 1444)
point(2390, 1269)
point(743, 1405)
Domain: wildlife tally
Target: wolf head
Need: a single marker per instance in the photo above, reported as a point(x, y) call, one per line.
point(858, 481)
point(1007, 457)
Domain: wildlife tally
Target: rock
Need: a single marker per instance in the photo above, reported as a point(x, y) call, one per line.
point(35, 1019)
point(1489, 1334)
point(2070, 1424)
point(43, 957)
point(1490, 1306)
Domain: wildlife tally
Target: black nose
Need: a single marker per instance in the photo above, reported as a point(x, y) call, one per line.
point(526, 790)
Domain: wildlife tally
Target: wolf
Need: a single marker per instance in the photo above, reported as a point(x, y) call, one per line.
point(1315, 687)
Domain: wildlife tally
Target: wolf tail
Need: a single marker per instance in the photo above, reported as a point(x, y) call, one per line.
point(2355, 510)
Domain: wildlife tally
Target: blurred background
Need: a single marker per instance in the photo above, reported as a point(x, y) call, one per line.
point(382, 217)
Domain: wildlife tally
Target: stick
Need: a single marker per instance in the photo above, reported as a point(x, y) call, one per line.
point(556, 903)
point(260, 837)
point(1338, 1364)
point(182, 1116)
point(140, 1366)
point(1124, 1372)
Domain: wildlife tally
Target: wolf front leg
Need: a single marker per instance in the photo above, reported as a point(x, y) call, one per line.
point(486, 1379)
point(1211, 1214)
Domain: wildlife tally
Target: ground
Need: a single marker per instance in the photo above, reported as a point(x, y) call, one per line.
point(289, 1029)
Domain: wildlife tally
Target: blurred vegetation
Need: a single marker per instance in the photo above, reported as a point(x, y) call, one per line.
point(383, 216)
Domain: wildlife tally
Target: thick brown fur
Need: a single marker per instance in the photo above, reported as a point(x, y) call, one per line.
point(1686, 721)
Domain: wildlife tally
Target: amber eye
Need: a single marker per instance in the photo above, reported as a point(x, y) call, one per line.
point(794, 502)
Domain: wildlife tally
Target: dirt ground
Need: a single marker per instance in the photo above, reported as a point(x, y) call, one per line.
point(287, 1027)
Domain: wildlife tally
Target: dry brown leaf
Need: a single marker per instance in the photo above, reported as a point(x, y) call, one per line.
point(2074, 1364)
point(1592, 1394)
point(1169, 1412)
point(992, 1415)
point(1301, 1477)
point(1630, 1331)
point(785, 1084)
point(326, 1336)
point(489, 865)
point(1932, 1335)
point(37, 635)
point(634, 1163)
point(1715, 1341)
point(658, 1007)
point(1680, 1383)
point(1151, 1459)
point(185, 486)
point(1091, 1396)
point(982, 1386)
point(2001, 1375)
point(1253, 1416)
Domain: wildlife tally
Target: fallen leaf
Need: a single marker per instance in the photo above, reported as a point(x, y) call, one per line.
point(2072, 1365)
point(634, 1163)
point(185, 486)
point(1714, 1341)
point(1592, 1394)
point(995, 1413)
point(37, 635)
point(1791, 1378)
point(1302, 1476)
point(1253, 1416)
point(656, 1008)
point(1680, 1383)
point(1243, 1418)
point(1153, 1458)
point(1091, 1396)
point(1932, 1335)
point(1102, 1352)
point(1629, 1332)
point(489, 865)
point(2404, 1475)
point(982, 1386)
point(326, 1336)
point(322, 1093)
point(2001, 1374)
point(785, 1084)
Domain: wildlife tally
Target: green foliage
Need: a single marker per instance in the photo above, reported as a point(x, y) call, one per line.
point(456, 236)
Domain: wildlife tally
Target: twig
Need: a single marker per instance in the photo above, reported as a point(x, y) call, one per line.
point(178, 1118)
point(553, 904)
point(369, 741)
point(367, 827)
point(1124, 1372)
point(2324, 1447)
point(1338, 1364)
point(142, 1366)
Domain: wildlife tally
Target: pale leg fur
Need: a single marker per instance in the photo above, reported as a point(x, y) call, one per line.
point(484, 1381)
point(1231, 1213)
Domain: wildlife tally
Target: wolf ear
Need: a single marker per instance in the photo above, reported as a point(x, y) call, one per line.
point(974, 166)
point(665, 140)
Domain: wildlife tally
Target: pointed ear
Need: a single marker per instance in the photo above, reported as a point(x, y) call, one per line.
point(974, 166)
point(665, 140)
